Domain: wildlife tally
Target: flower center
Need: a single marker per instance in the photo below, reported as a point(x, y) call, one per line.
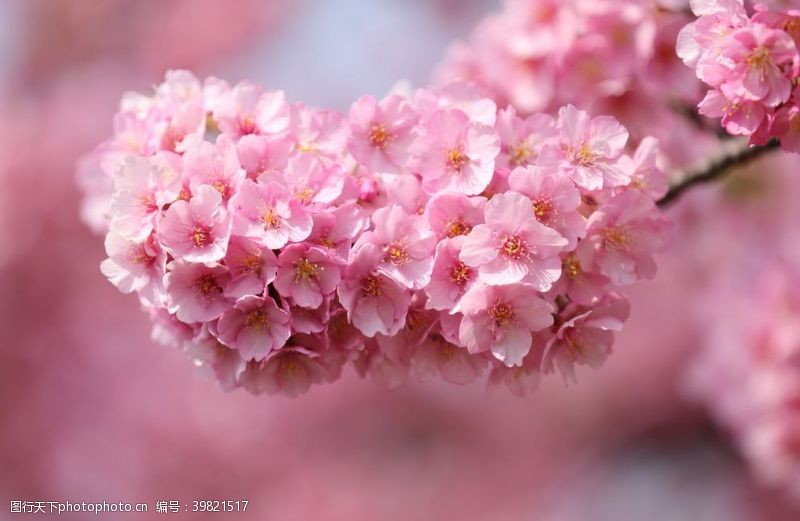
point(396, 253)
point(271, 219)
point(289, 366)
point(460, 273)
point(571, 266)
point(371, 287)
point(616, 238)
point(256, 320)
point(148, 203)
point(760, 59)
point(520, 155)
point(138, 255)
point(543, 210)
point(304, 195)
point(575, 341)
point(221, 187)
point(455, 159)
point(583, 155)
point(247, 126)
point(304, 270)
point(326, 241)
point(201, 236)
point(379, 137)
point(447, 351)
point(502, 314)
point(206, 285)
point(514, 247)
point(253, 264)
point(306, 148)
point(456, 228)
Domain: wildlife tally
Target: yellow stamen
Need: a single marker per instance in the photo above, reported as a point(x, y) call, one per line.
point(456, 228)
point(379, 137)
point(304, 195)
point(543, 210)
point(256, 320)
point(514, 247)
point(520, 156)
point(460, 273)
point(396, 253)
point(304, 270)
point(207, 285)
point(502, 314)
point(271, 219)
point(571, 266)
point(201, 236)
point(455, 159)
point(371, 287)
point(616, 237)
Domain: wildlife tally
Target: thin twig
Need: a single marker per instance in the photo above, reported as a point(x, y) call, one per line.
point(717, 168)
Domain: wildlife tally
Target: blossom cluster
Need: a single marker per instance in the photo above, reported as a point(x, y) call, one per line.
point(748, 373)
point(751, 63)
point(614, 57)
point(427, 231)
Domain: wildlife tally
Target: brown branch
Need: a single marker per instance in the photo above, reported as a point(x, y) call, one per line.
point(717, 168)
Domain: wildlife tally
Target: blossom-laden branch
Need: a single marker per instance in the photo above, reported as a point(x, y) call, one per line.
point(738, 155)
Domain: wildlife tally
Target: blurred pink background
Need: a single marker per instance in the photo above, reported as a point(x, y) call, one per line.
point(92, 410)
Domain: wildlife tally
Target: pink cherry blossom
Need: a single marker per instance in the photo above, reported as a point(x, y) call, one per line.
point(582, 286)
point(740, 119)
point(197, 230)
point(647, 176)
point(518, 380)
point(756, 56)
point(375, 302)
point(195, 291)
point(785, 19)
point(586, 336)
point(248, 109)
point(521, 139)
point(501, 319)
point(458, 95)
point(555, 200)
point(309, 320)
point(591, 150)
point(267, 213)
point(254, 326)
point(135, 266)
point(322, 133)
point(513, 246)
point(785, 125)
point(436, 356)
point(312, 182)
point(426, 233)
point(306, 274)
point(225, 364)
point(381, 132)
point(187, 124)
point(452, 153)
point(290, 372)
point(622, 237)
point(141, 188)
point(336, 230)
point(451, 277)
point(404, 190)
point(451, 215)
point(407, 244)
point(263, 154)
point(214, 165)
point(251, 267)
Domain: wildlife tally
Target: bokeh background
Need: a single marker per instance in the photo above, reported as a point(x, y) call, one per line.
point(91, 409)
